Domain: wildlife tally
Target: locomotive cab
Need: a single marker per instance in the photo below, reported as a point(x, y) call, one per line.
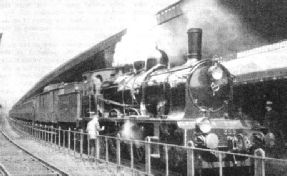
point(91, 91)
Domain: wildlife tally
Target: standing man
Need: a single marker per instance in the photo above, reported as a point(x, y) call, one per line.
point(271, 117)
point(93, 129)
point(271, 122)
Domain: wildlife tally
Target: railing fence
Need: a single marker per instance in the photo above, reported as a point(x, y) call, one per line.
point(111, 150)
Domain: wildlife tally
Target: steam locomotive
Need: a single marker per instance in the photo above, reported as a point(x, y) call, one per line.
point(191, 103)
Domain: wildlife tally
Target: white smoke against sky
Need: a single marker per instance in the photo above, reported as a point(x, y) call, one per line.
point(139, 43)
point(173, 40)
point(223, 31)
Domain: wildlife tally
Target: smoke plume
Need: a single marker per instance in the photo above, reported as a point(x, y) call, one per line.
point(138, 44)
point(223, 31)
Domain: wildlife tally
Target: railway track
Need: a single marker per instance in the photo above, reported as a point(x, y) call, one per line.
point(16, 161)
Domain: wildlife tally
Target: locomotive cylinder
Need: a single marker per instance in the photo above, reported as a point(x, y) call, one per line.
point(194, 43)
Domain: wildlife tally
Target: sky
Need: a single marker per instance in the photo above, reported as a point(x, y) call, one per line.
point(38, 36)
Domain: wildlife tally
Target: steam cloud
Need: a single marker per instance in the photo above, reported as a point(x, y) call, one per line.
point(129, 131)
point(223, 33)
point(138, 44)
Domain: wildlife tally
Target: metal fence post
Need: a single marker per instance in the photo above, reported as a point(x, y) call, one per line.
point(35, 131)
point(190, 159)
point(69, 140)
point(64, 139)
point(45, 134)
point(107, 150)
point(118, 152)
point(59, 138)
point(220, 163)
point(32, 130)
point(259, 167)
point(89, 152)
point(132, 156)
point(81, 143)
point(97, 144)
point(51, 136)
point(74, 143)
point(38, 132)
point(41, 132)
point(147, 157)
point(166, 161)
point(55, 137)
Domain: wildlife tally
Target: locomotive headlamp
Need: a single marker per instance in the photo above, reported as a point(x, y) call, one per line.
point(204, 125)
point(216, 72)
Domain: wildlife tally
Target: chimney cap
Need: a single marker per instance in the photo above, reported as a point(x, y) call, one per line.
point(194, 30)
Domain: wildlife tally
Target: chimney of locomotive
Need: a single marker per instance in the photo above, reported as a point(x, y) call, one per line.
point(194, 44)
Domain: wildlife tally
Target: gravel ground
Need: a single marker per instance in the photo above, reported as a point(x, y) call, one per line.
point(62, 160)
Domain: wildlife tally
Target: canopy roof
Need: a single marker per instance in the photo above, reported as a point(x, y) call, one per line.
point(260, 64)
point(72, 70)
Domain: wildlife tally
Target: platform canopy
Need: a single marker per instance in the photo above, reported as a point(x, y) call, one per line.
point(96, 57)
point(260, 64)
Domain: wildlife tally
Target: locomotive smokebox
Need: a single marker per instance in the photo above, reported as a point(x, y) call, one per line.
point(194, 43)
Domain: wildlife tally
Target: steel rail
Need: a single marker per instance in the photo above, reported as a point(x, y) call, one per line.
point(53, 169)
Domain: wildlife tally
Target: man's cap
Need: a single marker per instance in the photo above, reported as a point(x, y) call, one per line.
point(269, 103)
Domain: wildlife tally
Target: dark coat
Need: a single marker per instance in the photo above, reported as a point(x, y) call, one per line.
point(271, 121)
